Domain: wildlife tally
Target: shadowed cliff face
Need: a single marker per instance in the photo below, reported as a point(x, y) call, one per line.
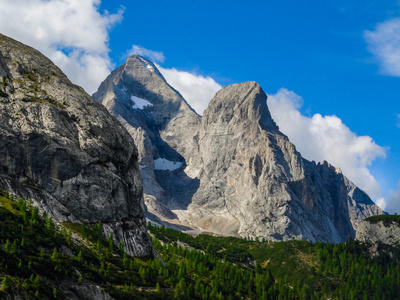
point(238, 174)
point(163, 126)
point(65, 151)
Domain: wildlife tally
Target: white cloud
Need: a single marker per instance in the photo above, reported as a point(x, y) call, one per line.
point(398, 120)
point(196, 89)
point(154, 56)
point(384, 43)
point(70, 32)
point(381, 202)
point(391, 203)
point(322, 138)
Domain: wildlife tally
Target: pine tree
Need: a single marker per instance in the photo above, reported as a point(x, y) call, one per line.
point(34, 216)
point(5, 284)
point(180, 290)
point(49, 223)
point(7, 246)
point(79, 256)
point(110, 243)
point(14, 247)
point(29, 207)
point(54, 256)
point(69, 237)
point(36, 282)
point(125, 260)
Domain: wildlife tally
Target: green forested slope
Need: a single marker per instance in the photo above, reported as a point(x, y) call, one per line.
point(43, 261)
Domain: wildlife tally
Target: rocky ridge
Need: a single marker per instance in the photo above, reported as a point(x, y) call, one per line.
point(64, 151)
point(235, 173)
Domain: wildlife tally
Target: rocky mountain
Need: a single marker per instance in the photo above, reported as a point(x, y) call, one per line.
point(380, 229)
point(162, 124)
point(63, 150)
point(230, 172)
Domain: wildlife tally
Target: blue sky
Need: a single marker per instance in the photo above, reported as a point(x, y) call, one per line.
point(332, 68)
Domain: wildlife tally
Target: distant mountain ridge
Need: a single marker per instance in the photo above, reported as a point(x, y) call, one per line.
point(230, 172)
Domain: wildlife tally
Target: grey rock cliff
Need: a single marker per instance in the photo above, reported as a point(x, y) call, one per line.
point(65, 151)
point(160, 121)
point(254, 179)
point(239, 174)
point(379, 232)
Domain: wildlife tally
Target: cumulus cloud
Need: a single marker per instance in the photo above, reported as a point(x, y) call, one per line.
point(196, 89)
point(391, 203)
point(154, 56)
point(384, 43)
point(72, 33)
point(322, 138)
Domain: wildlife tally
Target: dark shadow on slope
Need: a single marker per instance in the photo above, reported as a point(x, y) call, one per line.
point(155, 219)
point(179, 188)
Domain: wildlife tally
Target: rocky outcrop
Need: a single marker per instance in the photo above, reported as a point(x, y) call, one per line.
point(382, 229)
point(63, 150)
point(235, 173)
point(253, 179)
point(65, 290)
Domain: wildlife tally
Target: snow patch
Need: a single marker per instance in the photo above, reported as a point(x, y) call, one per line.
point(165, 164)
point(146, 64)
point(140, 103)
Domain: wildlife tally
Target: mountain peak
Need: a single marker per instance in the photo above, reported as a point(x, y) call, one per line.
point(240, 103)
point(134, 59)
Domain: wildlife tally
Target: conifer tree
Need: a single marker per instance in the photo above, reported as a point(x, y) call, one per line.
point(110, 243)
point(36, 282)
point(14, 247)
point(7, 246)
point(54, 256)
point(5, 284)
point(79, 256)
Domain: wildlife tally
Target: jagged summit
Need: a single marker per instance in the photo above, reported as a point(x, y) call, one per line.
point(237, 103)
point(138, 84)
point(231, 172)
point(159, 120)
point(148, 64)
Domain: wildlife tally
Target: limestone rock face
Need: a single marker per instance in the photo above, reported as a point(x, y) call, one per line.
point(379, 232)
point(160, 121)
point(64, 150)
point(254, 179)
point(235, 173)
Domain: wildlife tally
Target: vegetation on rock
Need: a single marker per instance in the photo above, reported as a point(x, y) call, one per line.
point(386, 219)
